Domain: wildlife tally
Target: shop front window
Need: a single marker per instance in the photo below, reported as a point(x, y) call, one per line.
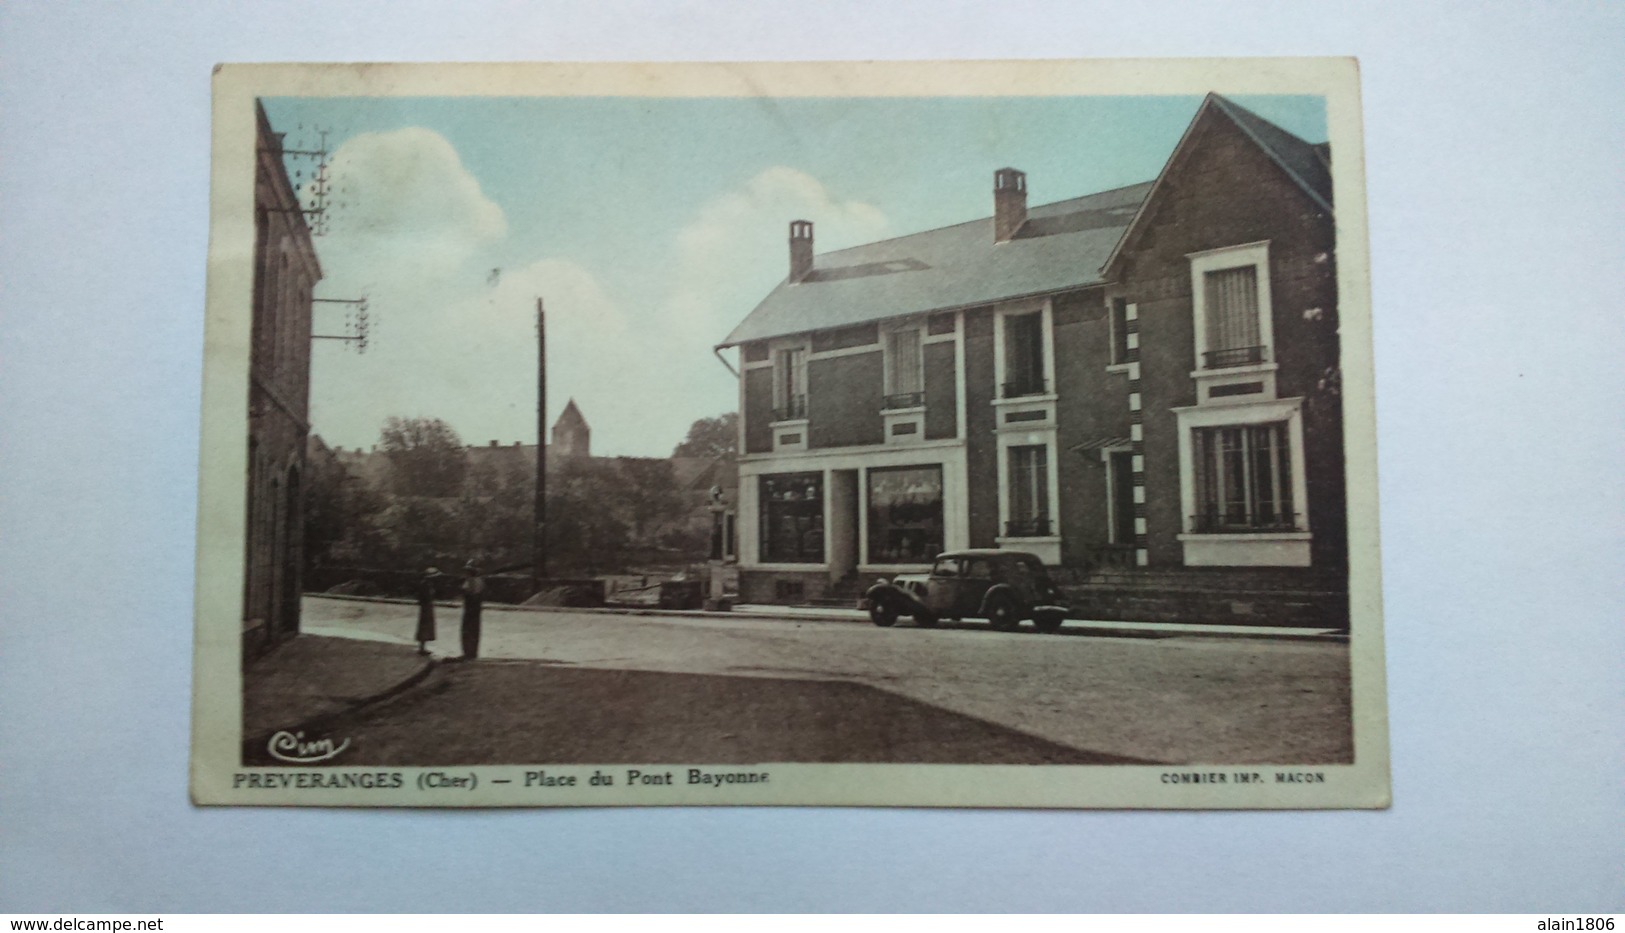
point(793, 518)
point(905, 515)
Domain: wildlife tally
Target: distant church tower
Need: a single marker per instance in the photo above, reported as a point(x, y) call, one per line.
point(571, 435)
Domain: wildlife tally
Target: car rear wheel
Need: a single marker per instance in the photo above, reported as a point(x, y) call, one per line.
point(883, 614)
point(1049, 621)
point(1002, 612)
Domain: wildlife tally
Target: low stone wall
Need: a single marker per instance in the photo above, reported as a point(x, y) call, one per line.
point(1148, 602)
point(401, 584)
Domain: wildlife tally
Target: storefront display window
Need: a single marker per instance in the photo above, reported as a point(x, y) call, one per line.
point(905, 515)
point(793, 518)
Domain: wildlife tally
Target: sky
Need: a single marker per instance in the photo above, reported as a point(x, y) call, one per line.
point(649, 227)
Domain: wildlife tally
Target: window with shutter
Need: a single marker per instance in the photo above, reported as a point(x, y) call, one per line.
point(1024, 355)
point(1119, 330)
point(790, 384)
point(1232, 317)
point(905, 369)
point(1028, 492)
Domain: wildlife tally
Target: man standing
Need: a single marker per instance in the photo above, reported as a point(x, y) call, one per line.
point(473, 598)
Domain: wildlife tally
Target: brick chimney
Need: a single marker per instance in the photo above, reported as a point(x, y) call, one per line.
point(1009, 203)
point(801, 249)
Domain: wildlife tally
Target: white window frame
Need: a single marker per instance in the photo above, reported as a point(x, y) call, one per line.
point(1244, 549)
point(1131, 340)
point(1027, 432)
point(780, 397)
point(1047, 547)
point(886, 333)
point(911, 414)
point(789, 427)
point(1256, 255)
point(1047, 331)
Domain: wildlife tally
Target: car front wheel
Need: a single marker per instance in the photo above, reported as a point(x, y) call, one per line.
point(883, 614)
point(1049, 621)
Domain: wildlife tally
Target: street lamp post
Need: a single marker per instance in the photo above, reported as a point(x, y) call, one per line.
point(716, 588)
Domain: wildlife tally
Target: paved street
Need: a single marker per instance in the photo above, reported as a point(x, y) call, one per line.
point(1176, 699)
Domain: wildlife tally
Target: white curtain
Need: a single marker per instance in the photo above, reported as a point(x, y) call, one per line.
point(906, 374)
point(1232, 308)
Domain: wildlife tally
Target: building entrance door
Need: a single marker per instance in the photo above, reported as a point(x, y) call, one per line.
point(1122, 492)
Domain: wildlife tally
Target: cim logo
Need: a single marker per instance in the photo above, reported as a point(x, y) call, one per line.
point(293, 748)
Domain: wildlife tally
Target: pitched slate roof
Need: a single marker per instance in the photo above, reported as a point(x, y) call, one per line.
point(1305, 163)
point(1062, 245)
point(1308, 165)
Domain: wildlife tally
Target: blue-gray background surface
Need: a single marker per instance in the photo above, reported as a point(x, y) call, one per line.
point(1494, 137)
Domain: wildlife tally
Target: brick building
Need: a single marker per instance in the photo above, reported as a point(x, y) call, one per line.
point(1138, 385)
point(285, 272)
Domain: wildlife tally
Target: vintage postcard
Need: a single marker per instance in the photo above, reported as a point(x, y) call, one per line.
point(952, 434)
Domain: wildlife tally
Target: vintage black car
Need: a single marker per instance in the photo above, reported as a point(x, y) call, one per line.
point(1003, 587)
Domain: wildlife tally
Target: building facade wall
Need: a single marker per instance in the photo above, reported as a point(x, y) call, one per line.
point(758, 410)
point(1092, 404)
point(1225, 192)
point(1124, 383)
point(941, 391)
point(844, 396)
point(844, 477)
point(981, 453)
point(285, 272)
point(783, 586)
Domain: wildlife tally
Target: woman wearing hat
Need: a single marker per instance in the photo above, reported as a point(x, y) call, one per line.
point(425, 633)
point(473, 597)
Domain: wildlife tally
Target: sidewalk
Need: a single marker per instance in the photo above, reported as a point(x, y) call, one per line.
point(857, 616)
point(314, 677)
point(1141, 629)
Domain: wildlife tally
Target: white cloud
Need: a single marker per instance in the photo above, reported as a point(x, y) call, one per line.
point(410, 229)
point(468, 355)
point(454, 336)
point(725, 261)
point(405, 197)
point(733, 253)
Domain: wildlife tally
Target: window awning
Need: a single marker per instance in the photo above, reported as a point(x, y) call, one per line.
point(1102, 443)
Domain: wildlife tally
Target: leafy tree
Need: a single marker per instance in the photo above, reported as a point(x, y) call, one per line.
point(649, 495)
point(496, 511)
point(418, 531)
point(341, 512)
point(426, 457)
point(712, 438)
point(584, 532)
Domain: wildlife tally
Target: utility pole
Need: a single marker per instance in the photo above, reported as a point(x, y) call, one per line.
point(540, 529)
